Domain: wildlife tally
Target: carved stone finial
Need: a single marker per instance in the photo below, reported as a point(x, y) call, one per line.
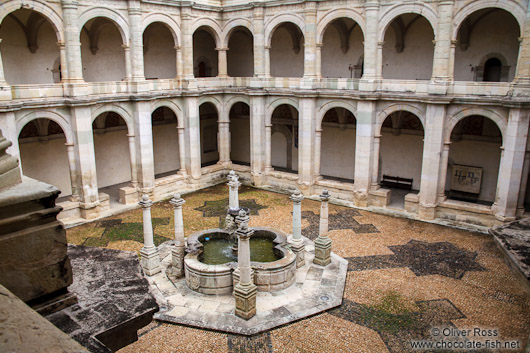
point(297, 196)
point(145, 202)
point(325, 195)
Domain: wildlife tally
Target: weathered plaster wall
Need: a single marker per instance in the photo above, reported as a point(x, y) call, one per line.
point(337, 152)
point(240, 57)
point(279, 150)
point(166, 148)
point(204, 47)
point(240, 139)
point(160, 59)
point(209, 140)
point(47, 161)
point(113, 162)
point(416, 60)
point(20, 65)
point(334, 61)
point(284, 62)
point(109, 62)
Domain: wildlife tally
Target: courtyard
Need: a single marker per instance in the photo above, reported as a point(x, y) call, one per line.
point(408, 282)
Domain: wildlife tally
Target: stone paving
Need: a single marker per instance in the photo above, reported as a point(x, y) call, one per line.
point(405, 279)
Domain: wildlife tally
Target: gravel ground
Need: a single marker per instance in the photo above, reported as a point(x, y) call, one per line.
point(443, 278)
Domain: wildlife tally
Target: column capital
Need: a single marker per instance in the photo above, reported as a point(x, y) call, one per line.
point(177, 47)
point(222, 49)
point(145, 202)
point(380, 44)
point(297, 196)
point(61, 44)
point(266, 47)
point(69, 4)
point(177, 201)
point(324, 197)
point(125, 46)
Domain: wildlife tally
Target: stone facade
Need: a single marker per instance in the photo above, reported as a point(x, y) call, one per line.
point(78, 91)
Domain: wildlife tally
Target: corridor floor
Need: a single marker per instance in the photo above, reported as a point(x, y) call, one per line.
point(408, 283)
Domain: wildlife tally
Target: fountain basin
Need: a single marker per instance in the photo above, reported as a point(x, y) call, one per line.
point(218, 278)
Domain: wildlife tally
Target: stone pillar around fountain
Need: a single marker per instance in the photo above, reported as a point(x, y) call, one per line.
point(150, 256)
point(297, 243)
point(245, 291)
point(323, 242)
point(177, 252)
point(233, 194)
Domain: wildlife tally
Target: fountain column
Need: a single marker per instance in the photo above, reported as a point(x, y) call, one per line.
point(323, 242)
point(245, 291)
point(233, 195)
point(297, 243)
point(150, 256)
point(177, 252)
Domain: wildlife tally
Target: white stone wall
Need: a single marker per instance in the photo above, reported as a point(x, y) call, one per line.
point(204, 47)
point(47, 161)
point(284, 62)
point(160, 59)
point(279, 150)
point(338, 152)
point(240, 139)
point(166, 148)
point(112, 157)
point(209, 138)
point(334, 61)
point(240, 55)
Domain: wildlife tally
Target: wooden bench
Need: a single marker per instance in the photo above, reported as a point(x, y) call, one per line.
point(396, 182)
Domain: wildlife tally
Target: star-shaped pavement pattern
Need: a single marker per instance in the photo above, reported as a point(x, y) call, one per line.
point(423, 259)
point(116, 230)
point(218, 208)
point(340, 220)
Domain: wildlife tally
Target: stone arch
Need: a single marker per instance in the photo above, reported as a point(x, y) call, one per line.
point(234, 100)
point(54, 116)
point(392, 13)
point(498, 118)
point(175, 108)
point(331, 105)
point(333, 15)
point(214, 101)
point(112, 15)
point(210, 26)
point(275, 22)
point(282, 129)
point(382, 115)
point(40, 7)
point(122, 112)
point(512, 7)
point(164, 19)
point(231, 26)
point(276, 103)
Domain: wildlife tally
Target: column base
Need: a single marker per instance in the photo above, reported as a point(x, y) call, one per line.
point(322, 251)
point(360, 198)
point(427, 212)
point(177, 260)
point(245, 296)
point(298, 248)
point(150, 261)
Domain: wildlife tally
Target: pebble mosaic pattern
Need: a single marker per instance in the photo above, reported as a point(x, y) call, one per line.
point(406, 278)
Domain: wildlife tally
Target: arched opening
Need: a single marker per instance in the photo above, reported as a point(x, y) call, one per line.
point(342, 48)
point(43, 154)
point(240, 133)
point(284, 139)
point(102, 53)
point(408, 51)
point(287, 51)
point(485, 35)
point(337, 146)
point(401, 156)
point(165, 142)
point(160, 59)
point(474, 159)
point(492, 70)
point(111, 147)
point(209, 134)
point(240, 56)
point(29, 48)
point(204, 53)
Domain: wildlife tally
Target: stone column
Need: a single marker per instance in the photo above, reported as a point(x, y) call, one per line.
point(268, 146)
point(2, 76)
point(85, 158)
point(511, 168)
point(257, 137)
point(310, 48)
point(72, 41)
point(245, 291)
point(370, 73)
point(442, 48)
point(136, 39)
point(150, 257)
point(132, 151)
point(443, 171)
point(259, 42)
point(193, 136)
point(365, 158)
point(233, 193)
point(306, 140)
point(522, 76)
point(318, 64)
point(187, 43)
point(267, 61)
point(144, 146)
point(64, 66)
point(297, 243)
point(177, 252)
point(224, 141)
point(182, 151)
point(318, 153)
point(128, 67)
point(430, 168)
point(179, 62)
point(323, 242)
point(223, 67)
point(73, 172)
point(524, 181)
point(375, 172)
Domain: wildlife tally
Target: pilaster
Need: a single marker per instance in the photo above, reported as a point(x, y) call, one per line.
point(259, 42)
point(187, 43)
point(306, 141)
point(310, 48)
point(136, 42)
point(257, 138)
point(193, 138)
point(72, 42)
point(365, 159)
point(522, 76)
point(370, 74)
point(144, 146)
point(223, 66)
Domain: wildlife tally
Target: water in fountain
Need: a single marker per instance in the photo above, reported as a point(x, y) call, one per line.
point(218, 250)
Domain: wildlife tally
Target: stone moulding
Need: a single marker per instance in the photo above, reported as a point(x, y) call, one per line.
point(220, 279)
